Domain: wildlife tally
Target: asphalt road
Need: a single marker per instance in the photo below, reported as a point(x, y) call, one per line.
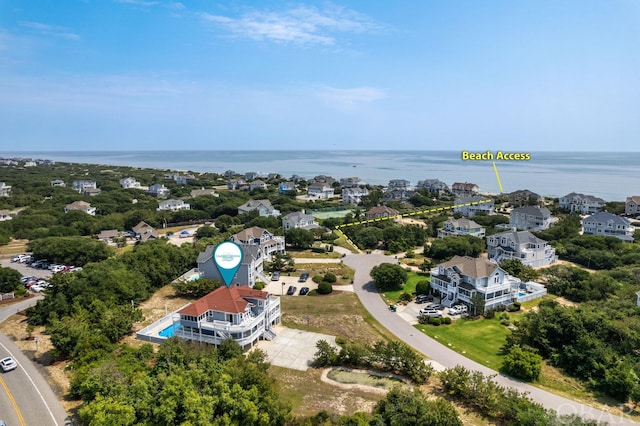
point(368, 294)
point(25, 396)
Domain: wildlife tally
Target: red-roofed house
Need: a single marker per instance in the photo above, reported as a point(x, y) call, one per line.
point(237, 312)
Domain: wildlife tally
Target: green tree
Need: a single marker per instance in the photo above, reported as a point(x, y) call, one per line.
point(516, 268)
point(404, 407)
point(523, 364)
point(423, 287)
point(368, 237)
point(299, 238)
point(324, 288)
point(9, 279)
point(195, 288)
point(388, 276)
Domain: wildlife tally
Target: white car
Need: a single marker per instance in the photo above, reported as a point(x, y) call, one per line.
point(7, 364)
point(431, 313)
point(56, 268)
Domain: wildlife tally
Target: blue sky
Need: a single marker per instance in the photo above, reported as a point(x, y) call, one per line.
point(477, 75)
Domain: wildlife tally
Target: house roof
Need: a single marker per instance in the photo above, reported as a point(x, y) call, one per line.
point(606, 217)
point(379, 210)
point(521, 237)
point(298, 216)
point(634, 198)
point(78, 205)
point(584, 197)
point(249, 234)
point(256, 204)
point(224, 299)
point(474, 199)
point(471, 266)
point(533, 211)
point(108, 234)
point(249, 254)
point(464, 223)
point(201, 192)
point(466, 186)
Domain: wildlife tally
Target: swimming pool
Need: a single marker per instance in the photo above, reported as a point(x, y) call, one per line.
point(168, 332)
point(520, 294)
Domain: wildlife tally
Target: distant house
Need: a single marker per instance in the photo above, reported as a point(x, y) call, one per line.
point(464, 278)
point(381, 212)
point(263, 207)
point(144, 232)
point(107, 236)
point(90, 192)
point(320, 190)
point(522, 245)
point(284, 187)
point(4, 189)
point(398, 195)
point(580, 203)
point(351, 182)
point(30, 163)
point(299, 220)
point(530, 217)
point(524, 197)
point(158, 190)
point(462, 226)
point(5, 215)
point(203, 192)
point(434, 186)
point(82, 206)
point(471, 206)
point(608, 225)
point(354, 195)
point(183, 179)
point(173, 205)
point(249, 176)
point(258, 237)
point(235, 184)
point(257, 184)
point(83, 185)
point(239, 313)
point(229, 174)
point(632, 206)
point(460, 189)
point(57, 183)
point(398, 184)
point(129, 182)
point(251, 266)
point(328, 180)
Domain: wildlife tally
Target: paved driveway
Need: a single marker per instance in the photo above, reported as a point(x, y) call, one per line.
point(293, 348)
point(368, 294)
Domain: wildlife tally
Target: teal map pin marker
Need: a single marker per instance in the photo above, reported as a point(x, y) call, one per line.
point(227, 256)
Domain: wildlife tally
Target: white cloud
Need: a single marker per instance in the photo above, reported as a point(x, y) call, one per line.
point(300, 25)
point(349, 98)
point(50, 30)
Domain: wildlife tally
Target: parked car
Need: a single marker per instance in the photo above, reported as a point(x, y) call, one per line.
point(291, 290)
point(75, 269)
point(431, 313)
point(424, 298)
point(303, 277)
point(458, 309)
point(56, 268)
point(25, 279)
point(8, 364)
point(275, 276)
point(304, 291)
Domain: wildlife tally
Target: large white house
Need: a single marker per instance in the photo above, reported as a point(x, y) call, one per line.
point(261, 238)
point(158, 190)
point(320, 190)
point(237, 312)
point(129, 182)
point(173, 205)
point(530, 217)
point(463, 278)
point(354, 194)
point(580, 203)
point(462, 226)
point(471, 206)
point(299, 220)
point(608, 225)
point(84, 185)
point(434, 186)
point(522, 245)
point(464, 189)
point(4, 189)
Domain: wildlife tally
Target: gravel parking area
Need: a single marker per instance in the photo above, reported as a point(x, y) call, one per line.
point(26, 270)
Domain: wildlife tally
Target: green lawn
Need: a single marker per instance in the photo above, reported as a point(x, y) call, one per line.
point(409, 287)
point(479, 340)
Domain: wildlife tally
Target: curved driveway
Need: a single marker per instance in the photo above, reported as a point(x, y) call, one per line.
point(368, 294)
point(34, 398)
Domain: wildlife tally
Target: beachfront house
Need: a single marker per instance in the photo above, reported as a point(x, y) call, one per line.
point(531, 217)
point(471, 206)
point(354, 195)
point(464, 279)
point(522, 245)
point(524, 197)
point(632, 205)
point(81, 206)
point(263, 207)
point(434, 186)
point(249, 271)
point(350, 182)
point(173, 205)
point(258, 237)
point(239, 313)
point(320, 190)
point(608, 225)
point(322, 179)
point(464, 189)
point(581, 203)
point(462, 226)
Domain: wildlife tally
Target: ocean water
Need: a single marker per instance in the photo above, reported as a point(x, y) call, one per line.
point(609, 175)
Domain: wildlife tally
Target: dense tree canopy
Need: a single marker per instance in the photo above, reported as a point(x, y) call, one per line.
point(388, 276)
point(70, 250)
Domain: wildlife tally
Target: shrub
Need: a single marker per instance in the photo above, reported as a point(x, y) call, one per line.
point(325, 288)
point(259, 285)
point(522, 364)
point(423, 319)
point(330, 278)
point(341, 340)
point(505, 322)
point(423, 287)
point(446, 320)
point(405, 297)
point(435, 321)
point(517, 305)
point(513, 308)
point(490, 314)
point(318, 250)
point(317, 279)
